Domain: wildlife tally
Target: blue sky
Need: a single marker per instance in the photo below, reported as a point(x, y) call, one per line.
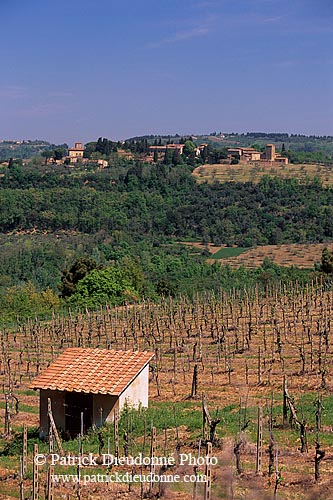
point(77, 70)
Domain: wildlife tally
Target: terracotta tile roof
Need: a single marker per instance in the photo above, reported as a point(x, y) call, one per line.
point(97, 371)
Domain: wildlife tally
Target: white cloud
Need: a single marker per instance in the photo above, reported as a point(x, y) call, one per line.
point(197, 30)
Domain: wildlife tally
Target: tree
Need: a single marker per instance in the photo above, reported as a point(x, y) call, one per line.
point(59, 153)
point(189, 148)
point(90, 148)
point(76, 272)
point(167, 159)
point(105, 286)
point(176, 159)
point(47, 154)
point(155, 156)
point(326, 261)
point(204, 154)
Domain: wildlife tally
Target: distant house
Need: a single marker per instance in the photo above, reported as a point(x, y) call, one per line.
point(102, 163)
point(94, 382)
point(271, 155)
point(76, 153)
point(177, 147)
point(128, 155)
point(250, 154)
point(160, 150)
point(245, 154)
point(200, 148)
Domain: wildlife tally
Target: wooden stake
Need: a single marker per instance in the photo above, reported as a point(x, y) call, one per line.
point(116, 433)
point(277, 472)
point(21, 479)
point(79, 442)
point(259, 366)
point(259, 441)
point(208, 472)
point(195, 469)
point(194, 381)
point(8, 428)
point(81, 424)
point(50, 473)
point(54, 428)
point(25, 450)
point(285, 408)
point(152, 455)
point(35, 494)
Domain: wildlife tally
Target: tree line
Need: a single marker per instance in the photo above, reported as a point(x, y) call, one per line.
point(165, 201)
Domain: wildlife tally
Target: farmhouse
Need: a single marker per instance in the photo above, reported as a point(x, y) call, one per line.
point(271, 155)
point(245, 155)
point(92, 382)
point(162, 149)
point(76, 153)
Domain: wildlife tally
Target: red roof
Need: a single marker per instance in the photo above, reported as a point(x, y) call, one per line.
point(96, 371)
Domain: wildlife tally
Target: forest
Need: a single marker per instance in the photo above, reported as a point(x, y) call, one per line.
point(132, 216)
point(165, 201)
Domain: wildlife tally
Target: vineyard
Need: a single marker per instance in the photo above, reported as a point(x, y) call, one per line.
point(303, 256)
point(254, 172)
point(254, 367)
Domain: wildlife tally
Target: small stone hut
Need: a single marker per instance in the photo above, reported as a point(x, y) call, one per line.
point(92, 382)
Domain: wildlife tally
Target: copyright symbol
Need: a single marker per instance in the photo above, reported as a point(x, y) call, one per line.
point(40, 459)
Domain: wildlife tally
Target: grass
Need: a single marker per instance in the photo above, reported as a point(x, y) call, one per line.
point(224, 253)
point(28, 392)
point(23, 408)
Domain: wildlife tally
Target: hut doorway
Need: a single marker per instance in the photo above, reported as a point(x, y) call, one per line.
point(77, 403)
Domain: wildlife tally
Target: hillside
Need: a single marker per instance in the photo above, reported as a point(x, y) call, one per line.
point(321, 147)
point(23, 149)
point(294, 142)
point(245, 347)
point(256, 171)
point(302, 256)
point(131, 216)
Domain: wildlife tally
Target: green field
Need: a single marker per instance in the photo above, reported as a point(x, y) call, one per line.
point(224, 253)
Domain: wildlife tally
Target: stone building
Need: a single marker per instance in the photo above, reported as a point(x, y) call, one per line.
point(75, 154)
point(245, 155)
point(94, 383)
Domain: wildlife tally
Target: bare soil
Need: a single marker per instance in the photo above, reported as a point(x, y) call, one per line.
point(290, 333)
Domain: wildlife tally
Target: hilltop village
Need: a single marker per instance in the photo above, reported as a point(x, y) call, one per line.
point(261, 149)
point(76, 155)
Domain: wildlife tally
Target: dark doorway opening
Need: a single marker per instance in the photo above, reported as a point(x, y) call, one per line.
point(76, 404)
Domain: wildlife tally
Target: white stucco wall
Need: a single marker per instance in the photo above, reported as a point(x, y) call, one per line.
point(137, 391)
point(135, 394)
